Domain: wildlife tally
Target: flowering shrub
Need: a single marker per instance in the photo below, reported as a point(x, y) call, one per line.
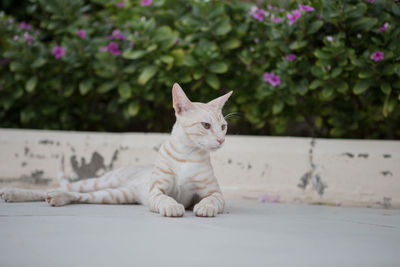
point(315, 68)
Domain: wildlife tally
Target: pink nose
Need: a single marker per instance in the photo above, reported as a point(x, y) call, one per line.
point(220, 140)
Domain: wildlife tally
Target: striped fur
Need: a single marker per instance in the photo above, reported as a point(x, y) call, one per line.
point(181, 177)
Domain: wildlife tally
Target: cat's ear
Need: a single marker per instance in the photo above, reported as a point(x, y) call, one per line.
point(180, 101)
point(219, 102)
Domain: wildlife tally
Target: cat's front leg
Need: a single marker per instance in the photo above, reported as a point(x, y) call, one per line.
point(212, 204)
point(165, 205)
point(159, 202)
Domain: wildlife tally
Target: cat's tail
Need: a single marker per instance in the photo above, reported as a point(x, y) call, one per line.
point(61, 177)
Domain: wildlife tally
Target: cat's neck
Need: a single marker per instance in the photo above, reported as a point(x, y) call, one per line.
point(187, 146)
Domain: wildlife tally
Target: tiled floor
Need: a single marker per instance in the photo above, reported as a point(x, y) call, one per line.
point(248, 234)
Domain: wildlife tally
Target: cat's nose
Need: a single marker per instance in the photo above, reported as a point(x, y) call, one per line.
point(220, 140)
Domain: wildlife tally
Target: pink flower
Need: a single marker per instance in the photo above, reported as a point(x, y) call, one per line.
point(146, 2)
point(359, 35)
point(384, 27)
point(116, 34)
point(58, 51)
point(24, 26)
point(28, 38)
point(120, 4)
point(276, 20)
point(112, 48)
point(305, 8)
point(293, 17)
point(81, 33)
point(377, 56)
point(291, 57)
point(330, 38)
point(272, 79)
point(257, 13)
point(371, 1)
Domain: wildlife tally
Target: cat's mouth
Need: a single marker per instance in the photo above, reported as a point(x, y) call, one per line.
point(210, 148)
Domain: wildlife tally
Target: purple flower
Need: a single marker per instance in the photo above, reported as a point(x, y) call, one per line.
point(146, 2)
point(16, 37)
point(58, 51)
point(177, 41)
point(377, 56)
point(359, 35)
point(24, 26)
point(276, 20)
point(305, 8)
point(120, 4)
point(116, 34)
point(371, 1)
point(272, 79)
point(330, 38)
point(81, 33)
point(258, 13)
point(28, 38)
point(384, 27)
point(293, 17)
point(112, 48)
point(291, 57)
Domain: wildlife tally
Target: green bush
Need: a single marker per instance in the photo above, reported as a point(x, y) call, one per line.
point(332, 72)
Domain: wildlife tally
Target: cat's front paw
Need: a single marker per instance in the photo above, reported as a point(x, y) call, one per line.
point(171, 210)
point(9, 194)
point(204, 209)
point(59, 198)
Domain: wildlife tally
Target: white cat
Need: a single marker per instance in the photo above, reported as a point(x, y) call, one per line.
point(182, 176)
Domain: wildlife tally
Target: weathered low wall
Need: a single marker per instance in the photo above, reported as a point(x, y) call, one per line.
point(346, 172)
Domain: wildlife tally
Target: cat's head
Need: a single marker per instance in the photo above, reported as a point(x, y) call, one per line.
point(203, 123)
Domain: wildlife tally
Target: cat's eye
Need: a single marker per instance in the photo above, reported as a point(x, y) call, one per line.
point(206, 125)
point(223, 127)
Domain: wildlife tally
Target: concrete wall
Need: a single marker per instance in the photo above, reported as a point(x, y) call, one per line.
point(318, 171)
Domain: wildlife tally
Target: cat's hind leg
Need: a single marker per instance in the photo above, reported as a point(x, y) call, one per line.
point(123, 195)
point(22, 195)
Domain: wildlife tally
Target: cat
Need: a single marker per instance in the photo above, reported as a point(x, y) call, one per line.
point(181, 178)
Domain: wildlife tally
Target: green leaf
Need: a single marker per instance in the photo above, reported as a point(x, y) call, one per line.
point(16, 66)
point(40, 61)
point(189, 61)
point(389, 69)
point(179, 56)
point(315, 26)
point(277, 107)
point(342, 87)
point(133, 109)
point(386, 88)
point(223, 27)
point(31, 84)
point(105, 87)
point(336, 72)
point(315, 84)
point(322, 55)
point(151, 48)
point(364, 74)
point(297, 45)
point(124, 90)
point(231, 44)
point(147, 73)
point(167, 59)
point(218, 67)
point(327, 93)
point(361, 86)
point(134, 54)
point(198, 74)
point(364, 24)
point(213, 81)
point(85, 86)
